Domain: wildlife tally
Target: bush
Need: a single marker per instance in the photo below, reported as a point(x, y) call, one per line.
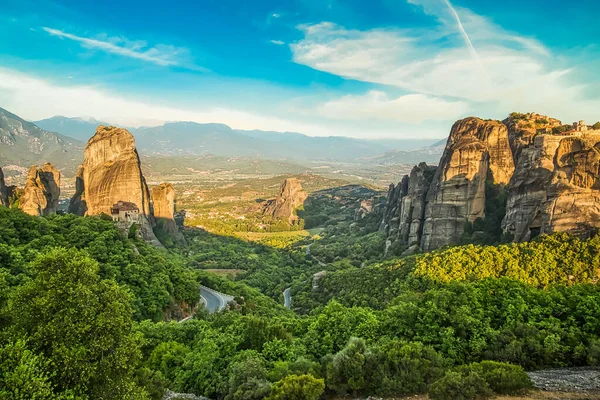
point(297, 387)
point(503, 378)
point(460, 386)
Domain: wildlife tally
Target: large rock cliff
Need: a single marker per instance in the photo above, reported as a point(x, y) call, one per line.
point(163, 204)
point(549, 170)
point(111, 173)
point(556, 186)
point(41, 192)
point(291, 196)
point(3, 190)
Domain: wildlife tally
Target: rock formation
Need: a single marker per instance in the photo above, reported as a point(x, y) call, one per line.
point(556, 185)
point(551, 172)
point(291, 196)
point(41, 192)
point(77, 204)
point(3, 190)
point(111, 173)
point(403, 218)
point(163, 204)
point(477, 151)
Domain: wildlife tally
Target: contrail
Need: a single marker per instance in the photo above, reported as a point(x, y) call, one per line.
point(465, 36)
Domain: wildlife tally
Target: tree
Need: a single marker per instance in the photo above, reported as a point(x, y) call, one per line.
point(79, 323)
point(248, 378)
point(297, 387)
point(596, 125)
point(346, 372)
point(23, 374)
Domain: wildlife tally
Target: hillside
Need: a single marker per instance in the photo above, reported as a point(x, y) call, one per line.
point(25, 144)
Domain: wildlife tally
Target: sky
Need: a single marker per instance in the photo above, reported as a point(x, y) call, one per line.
point(361, 68)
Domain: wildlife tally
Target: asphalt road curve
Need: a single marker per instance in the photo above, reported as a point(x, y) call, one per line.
point(214, 300)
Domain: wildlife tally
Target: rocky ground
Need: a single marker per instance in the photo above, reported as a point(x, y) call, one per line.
point(567, 379)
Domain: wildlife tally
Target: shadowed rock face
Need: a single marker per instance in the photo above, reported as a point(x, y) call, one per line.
point(77, 204)
point(553, 182)
point(41, 192)
point(3, 190)
point(403, 219)
point(111, 173)
point(163, 204)
point(291, 196)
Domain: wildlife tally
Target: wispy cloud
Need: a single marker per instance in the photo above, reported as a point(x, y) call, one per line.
point(466, 57)
point(377, 105)
point(161, 54)
point(277, 42)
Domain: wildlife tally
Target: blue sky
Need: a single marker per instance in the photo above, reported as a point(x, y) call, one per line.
point(376, 68)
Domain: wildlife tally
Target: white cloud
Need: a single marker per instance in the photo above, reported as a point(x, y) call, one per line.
point(376, 105)
point(161, 54)
point(501, 72)
point(277, 42)
point(35, 98)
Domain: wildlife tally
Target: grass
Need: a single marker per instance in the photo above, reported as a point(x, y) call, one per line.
point(255, 236)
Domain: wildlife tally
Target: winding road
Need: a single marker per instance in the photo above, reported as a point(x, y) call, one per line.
point(213, 300)
point(287, 298)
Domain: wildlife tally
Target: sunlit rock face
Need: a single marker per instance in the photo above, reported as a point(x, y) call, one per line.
point(111, 173)
point(42, 191)
point(549, 171)
point(477, 151)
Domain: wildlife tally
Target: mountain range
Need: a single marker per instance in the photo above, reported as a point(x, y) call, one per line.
point(191, 138)
point(61, 140)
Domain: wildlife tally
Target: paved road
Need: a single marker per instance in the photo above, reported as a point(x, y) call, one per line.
point(287, 298)
point(214, 300)
point(322, 264)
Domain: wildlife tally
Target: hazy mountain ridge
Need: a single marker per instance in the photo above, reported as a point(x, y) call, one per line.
point(24, 144)
point(191, 138)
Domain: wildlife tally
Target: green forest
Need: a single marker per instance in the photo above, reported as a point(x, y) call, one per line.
point(86, 313)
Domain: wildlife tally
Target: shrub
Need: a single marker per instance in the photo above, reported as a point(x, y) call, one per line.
point(460, 386)
point(297, 387)
point(503, 378)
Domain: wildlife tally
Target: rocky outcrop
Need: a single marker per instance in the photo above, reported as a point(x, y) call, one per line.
point(549, 171)
point(291, 197)
point(163, 204)
point(477, 151)
point(41, 192)
point(111, 173)
point(3, 190)
point(77, 205)
point(556, 187)
point(404, 215)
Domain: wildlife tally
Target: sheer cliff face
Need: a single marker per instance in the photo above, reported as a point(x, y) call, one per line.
point(163, 205)
point(556, 187)
point(477, 151)
point(41, 192)
point(3, 190)
point(77, 204)
point(403, 219)
point(111, 173)
point(291, 196)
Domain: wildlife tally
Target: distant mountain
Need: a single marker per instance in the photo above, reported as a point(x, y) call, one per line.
point(24, 144)
point(429, 154)
point(195, 139)
point(77, 128)
point(190, 138)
